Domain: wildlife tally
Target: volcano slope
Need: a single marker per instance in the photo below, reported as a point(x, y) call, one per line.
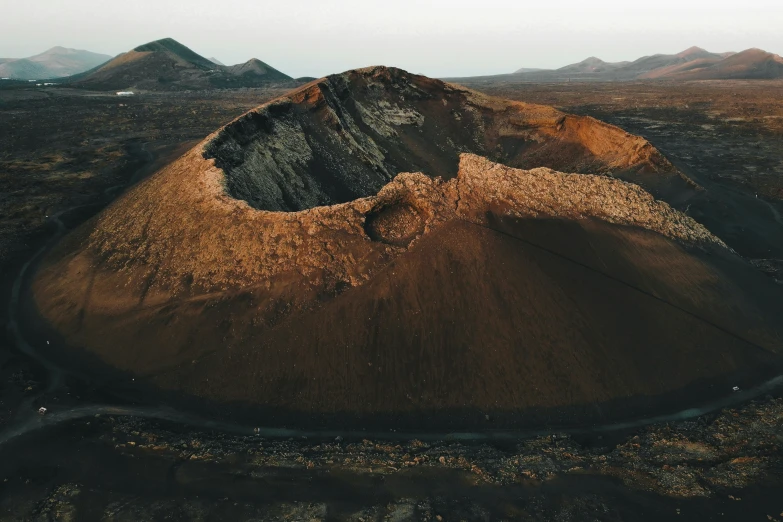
point(283, 269)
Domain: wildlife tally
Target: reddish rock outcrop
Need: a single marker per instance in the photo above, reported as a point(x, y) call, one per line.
point(345, 136)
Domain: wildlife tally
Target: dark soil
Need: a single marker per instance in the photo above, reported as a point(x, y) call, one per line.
point(724, 466)
point(720, 467)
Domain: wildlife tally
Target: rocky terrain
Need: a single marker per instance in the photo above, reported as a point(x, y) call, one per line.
point(221, 278)
point(724, 465)
point(727, 136)
point(167, 65)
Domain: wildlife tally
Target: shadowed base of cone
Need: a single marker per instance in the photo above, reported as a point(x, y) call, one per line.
point(532, 322)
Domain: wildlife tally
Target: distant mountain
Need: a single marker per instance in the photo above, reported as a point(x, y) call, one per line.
point(23, 69)
point(749, 64)
point(694, 63)
point(527, 70)
point(172, 48)
point(695, 53)
point(254, 68)
point(662, 65)
point(675, 69)
point(168, 65)
point(591, 65)
point(215, 60)
point(648, 65)
point(57, 62)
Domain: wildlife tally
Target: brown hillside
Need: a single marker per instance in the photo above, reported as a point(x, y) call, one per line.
point(591, 65)
point(749, 64)
point(168, 65)
point(528, 295)
point(694, 63)
point(671, 70)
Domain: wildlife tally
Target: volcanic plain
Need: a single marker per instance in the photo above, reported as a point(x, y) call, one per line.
point(408, 239)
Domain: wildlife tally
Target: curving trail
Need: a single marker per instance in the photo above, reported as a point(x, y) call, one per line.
point(775, 213)
point(56, 375)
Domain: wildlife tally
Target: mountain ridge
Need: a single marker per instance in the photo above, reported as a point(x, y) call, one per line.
point(57, 62)
point(694, 63)
point(166, 64)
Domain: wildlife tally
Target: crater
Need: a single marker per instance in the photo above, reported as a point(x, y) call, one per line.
point(345, 293)
point(347, 135)
point(395, 224)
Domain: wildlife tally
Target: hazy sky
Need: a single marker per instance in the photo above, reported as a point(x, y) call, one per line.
point(436, 37)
